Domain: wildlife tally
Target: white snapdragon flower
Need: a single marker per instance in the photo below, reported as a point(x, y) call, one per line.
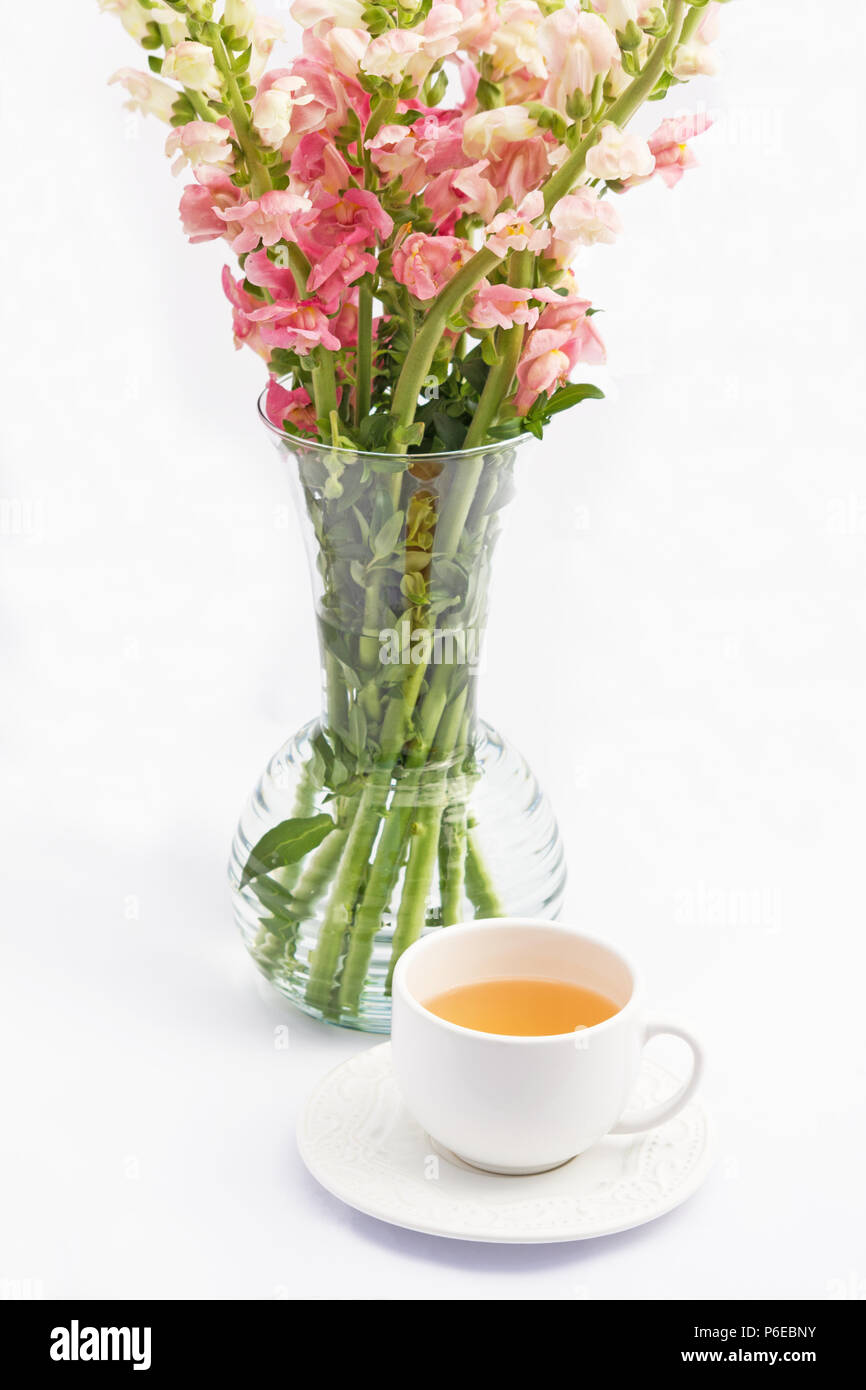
point(344, 14)
point(192, 64)
point(266, 32)
point(695, 58)
point(347, 48)
point(199, 143)
point(489, 132)
point(241, 15)
point(619, 155)
point(146, 93)
point(135, 19)
point(514, 42)
point(272, 109)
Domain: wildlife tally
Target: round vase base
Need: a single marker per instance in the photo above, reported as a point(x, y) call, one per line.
point(516, 868)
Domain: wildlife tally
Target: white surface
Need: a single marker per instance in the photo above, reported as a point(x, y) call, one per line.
point(677, 645)
point(360, 1142)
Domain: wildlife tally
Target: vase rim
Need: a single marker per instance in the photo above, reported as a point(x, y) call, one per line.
point(378, 453)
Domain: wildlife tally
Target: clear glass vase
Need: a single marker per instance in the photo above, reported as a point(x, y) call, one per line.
point(397, 811)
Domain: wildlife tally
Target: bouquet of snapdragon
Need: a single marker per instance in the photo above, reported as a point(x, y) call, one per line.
point(405, 201)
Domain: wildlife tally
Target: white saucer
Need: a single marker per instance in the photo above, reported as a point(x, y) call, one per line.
point(357, 1138)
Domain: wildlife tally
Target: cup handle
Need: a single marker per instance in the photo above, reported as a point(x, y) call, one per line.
point(668, 1108)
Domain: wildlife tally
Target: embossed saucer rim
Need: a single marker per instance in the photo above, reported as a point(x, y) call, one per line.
point(519, 1229)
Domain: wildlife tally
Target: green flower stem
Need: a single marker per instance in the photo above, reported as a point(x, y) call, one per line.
point(353, 865)
point(260, 179)
point(690, 23)
point(479, 884)
point(354, 873)
point(368, 642)
point(364, 382)
point(424, 842)
point(338, 705)
point(439, 722)
point(509, 342)
point(324, 387)
point(420, 355)
point(452, 864)
point(449, 532)
point(319, 870)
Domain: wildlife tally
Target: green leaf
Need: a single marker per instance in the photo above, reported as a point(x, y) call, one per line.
point(489, 95)
point(450, 431)
point(488, 351)
point(385, 540)
point(286, 844)
point(572, 395)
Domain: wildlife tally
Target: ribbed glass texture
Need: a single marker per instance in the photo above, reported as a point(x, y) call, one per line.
point(398, 811)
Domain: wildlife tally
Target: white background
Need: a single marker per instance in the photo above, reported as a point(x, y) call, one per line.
point(677, 645)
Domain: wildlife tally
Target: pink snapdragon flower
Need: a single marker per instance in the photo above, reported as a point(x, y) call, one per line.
point(354, 215)
point(425, 264)
point(344, 264)
point(198, 143)
point(299, 327)
point(578, 48)
point(478, 193)
point(268, 219)
point(287, 322)
point(395, 154)
point(480, 19)
point(294, 407)
point(567, 314)
point(345, 324)
point(200, 202)
point(439, 32)
point(521, 168)
point(670, 148)
point(245, 331)
point(278, 280)
point(619, 155)
point(543, 366)
point(562, 337)
point(414, 154)
point(513, 230)
point(581, 219)
point(316, 160)
point(330, 92)
point(502, 306)
point(440, 141)
point(337, 236)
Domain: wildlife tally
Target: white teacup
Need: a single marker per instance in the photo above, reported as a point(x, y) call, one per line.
point(516, 1104)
